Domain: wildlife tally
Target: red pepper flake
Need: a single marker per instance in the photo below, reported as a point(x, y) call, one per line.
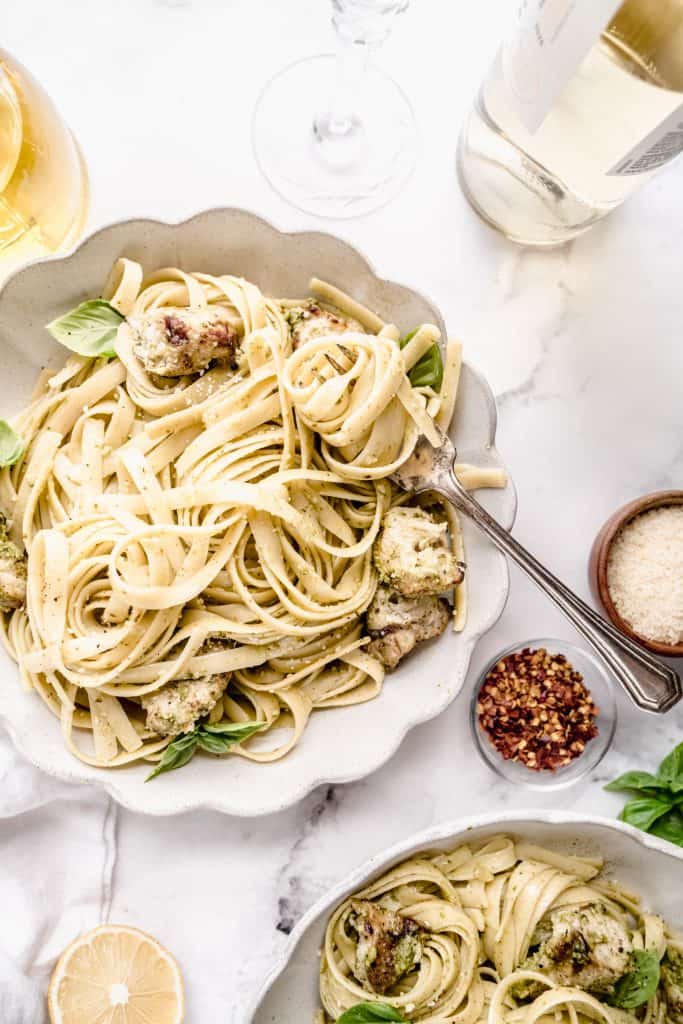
point(535, 709)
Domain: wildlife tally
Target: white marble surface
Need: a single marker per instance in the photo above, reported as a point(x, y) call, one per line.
point(582, 346)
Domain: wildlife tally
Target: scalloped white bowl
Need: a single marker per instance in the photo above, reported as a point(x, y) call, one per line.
point(644, 864)
point(339, 745)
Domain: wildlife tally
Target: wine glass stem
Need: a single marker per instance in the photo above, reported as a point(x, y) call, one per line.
point(341, 119)
point(360, 29)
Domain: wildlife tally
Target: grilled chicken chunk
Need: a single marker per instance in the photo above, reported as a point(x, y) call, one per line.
point(12, 571)
point(582, 946)
point(388, 945)
point(311, 321)
point(397, 623)
point(172, 342)
point(177, 707)
point(411, 553)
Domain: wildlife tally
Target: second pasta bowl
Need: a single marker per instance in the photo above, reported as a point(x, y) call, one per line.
point(480, 908)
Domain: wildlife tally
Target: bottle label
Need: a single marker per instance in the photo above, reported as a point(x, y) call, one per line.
point(550, 39)
point(662, 144)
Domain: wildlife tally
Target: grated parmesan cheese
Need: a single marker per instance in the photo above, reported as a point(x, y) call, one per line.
point(645, 574)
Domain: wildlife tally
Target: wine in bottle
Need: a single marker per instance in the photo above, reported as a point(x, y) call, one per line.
point(583, 104)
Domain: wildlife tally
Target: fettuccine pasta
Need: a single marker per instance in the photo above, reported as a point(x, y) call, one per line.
point(502, 933)
point(199, 514)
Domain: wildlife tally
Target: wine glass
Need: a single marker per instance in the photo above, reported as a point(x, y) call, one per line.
point(333, 134)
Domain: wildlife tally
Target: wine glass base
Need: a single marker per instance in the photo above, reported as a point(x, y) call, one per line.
point(330, 178)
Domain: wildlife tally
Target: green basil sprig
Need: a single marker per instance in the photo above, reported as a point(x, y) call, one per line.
point(12, 447)
point(640, 984)
point(89, 329)
point(638, 781)
point(428, 371)
point(214, 739)
point(670, 770)
point(369, 1013)
point(658, 806)
point(644, 812)
point(669, 827)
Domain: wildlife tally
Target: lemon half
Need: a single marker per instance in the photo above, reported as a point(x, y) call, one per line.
point(116, 975)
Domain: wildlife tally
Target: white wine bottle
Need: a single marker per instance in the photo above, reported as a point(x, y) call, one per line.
point(43, 183)
point(583, 104)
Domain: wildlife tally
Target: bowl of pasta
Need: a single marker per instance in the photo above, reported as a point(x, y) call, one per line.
point(205, 564)
point(510, 919)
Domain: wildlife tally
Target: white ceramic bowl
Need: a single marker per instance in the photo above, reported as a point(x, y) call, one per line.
point(644, 864)
point(339, 745)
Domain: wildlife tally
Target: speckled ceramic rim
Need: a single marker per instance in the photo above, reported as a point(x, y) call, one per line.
point(108, 781)
point(589, 759)
point(456, 831)
point(597, 565)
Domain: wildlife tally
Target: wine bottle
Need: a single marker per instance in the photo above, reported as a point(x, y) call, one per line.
point(583, 104)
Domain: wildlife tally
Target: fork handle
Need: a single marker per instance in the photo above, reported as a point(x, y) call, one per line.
point(652, 685)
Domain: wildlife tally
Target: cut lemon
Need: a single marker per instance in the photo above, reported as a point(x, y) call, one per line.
point(116, 975)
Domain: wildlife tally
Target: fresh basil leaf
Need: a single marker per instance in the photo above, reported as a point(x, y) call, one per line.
point(670, 771)
point(637, 781)
point(89, 329)
point(640, 984)
point(214, 744)
point(177, 753)
point(217, 739)
point(643, 813)
point(428, 371)
point(12, 446)
point(367, 1013)
point(214, 739)
point(236, 731)
point(669, 827)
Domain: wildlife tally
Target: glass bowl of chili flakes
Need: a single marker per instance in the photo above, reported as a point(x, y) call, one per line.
point(543, 713)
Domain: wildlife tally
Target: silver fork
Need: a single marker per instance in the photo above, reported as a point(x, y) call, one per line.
point(652, 685)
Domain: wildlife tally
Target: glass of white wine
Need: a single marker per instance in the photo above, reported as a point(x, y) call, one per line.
point(43, 182)
point(334, 135)
point(583, 104)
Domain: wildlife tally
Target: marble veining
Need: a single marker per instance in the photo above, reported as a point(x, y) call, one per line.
point(292, 884)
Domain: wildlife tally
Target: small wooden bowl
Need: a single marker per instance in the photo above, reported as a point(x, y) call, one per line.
point(597, 565)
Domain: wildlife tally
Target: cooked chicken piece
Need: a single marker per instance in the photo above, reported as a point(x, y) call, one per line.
point(176, 708)
point(412, 555)
point(388, 945)
point(672, 984)
point(12, 571)
point(174, 341)
point(396, 623)
point(391, 646)
point(310, 321)
point(581, 946)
